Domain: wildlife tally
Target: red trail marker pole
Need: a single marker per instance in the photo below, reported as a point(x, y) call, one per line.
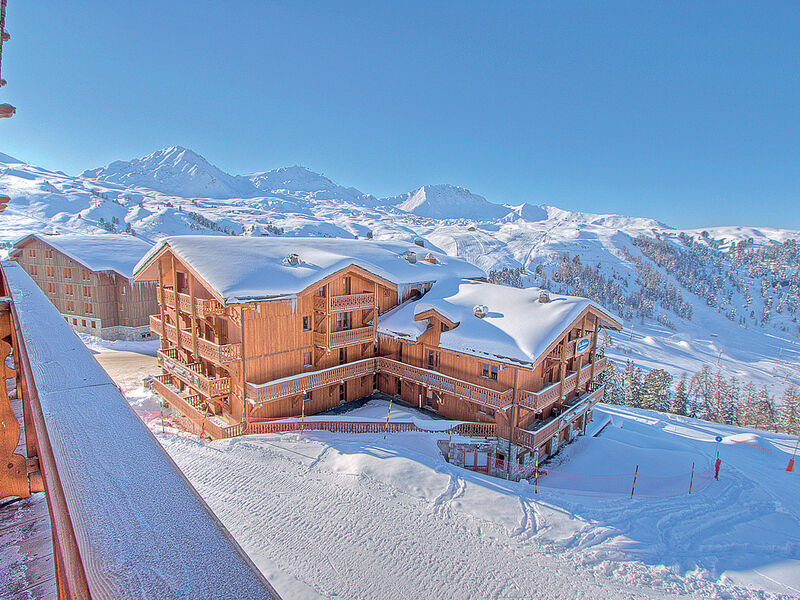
point(790, 466)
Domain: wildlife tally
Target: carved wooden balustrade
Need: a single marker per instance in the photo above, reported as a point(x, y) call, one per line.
point(536, 437)
point(346, 337)
point(204, 307)
point(333, 304)
point(126, 523)
point(191, 374)
point(216, 353)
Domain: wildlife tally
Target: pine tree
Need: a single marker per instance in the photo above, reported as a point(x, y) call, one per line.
point(656, 390)
point(679, 398)
point(765, 411)
point(748, 406)
point(789, 418)
point(730, 401)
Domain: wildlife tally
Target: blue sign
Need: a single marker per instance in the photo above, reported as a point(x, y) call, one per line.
point(582, 345)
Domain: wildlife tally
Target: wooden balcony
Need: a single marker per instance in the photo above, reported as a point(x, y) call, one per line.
point(332, 304)
point(191, 374)
point(550, 394)
point(299, 384)
point(193, 407)
point(126, 523)
point(203, 307)
point(346, 337)
point(216, 353)
point(444, 383)
point(543, 431)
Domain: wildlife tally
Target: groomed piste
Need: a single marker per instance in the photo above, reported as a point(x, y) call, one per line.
point(359, 516)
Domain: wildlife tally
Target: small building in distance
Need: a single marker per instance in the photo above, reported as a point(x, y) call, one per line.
point(89, 278)
point(263, 328)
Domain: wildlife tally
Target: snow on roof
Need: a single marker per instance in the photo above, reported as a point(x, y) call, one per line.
point(517, 327)
point(251, 268)
point(100, 252)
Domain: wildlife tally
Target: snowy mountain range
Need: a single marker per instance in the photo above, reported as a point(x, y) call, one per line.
point(725, 295)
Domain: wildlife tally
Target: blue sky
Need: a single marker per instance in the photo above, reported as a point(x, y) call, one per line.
point(686, 112)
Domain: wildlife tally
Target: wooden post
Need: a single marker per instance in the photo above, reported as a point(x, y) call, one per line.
point(13, 468)
point(691, 479)
point(193, 315)
point(175, 299)
point(562, 369)
point(161, 304)
point(635, 474)
point(579, 359)
point(594, 348)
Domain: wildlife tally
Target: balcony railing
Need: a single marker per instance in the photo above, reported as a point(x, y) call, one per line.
point(193, 408)
point(299, 384)
point(444, 383)
point(346, 337)
point(346, 302)
point(216, 353)
point(112, 491)
point(203, 307)
point(544, 431)
point(549, 395)
point(192, 375)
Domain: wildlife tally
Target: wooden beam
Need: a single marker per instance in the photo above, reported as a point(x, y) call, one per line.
point(13, 469)
point(193, 315)
point(161, 304)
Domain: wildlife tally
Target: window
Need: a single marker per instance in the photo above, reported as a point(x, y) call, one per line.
point(343, 320)
point(83, 322)
point(346, 285)
point(87, 291)
point(31, 252)
point(67, 273)
point(321, 291)
point(485, 410)
point(342, 355)
point(433, 359)
point(51, 288)
point(68, 289)
point(70, 306)
point(50, 271)
point(445, 327)
point(94, 324)
point(125, 322)
point(87, 308)
point(307, 359)
point(86, 275)
point(489, 371)
point(122, 292)
point(306, 323)
point(34, 270)
point(342, 392)
point(48, 254)
point(121, 307)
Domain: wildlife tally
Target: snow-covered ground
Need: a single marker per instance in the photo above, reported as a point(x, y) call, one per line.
point(359, 516)
point(362, 516)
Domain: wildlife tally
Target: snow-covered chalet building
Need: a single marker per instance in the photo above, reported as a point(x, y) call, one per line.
point(264, 327)
point(89, 278)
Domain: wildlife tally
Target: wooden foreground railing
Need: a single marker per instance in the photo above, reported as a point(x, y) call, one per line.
point(126, 522)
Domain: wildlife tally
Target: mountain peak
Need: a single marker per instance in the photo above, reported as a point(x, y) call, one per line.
point(176, 171)
point(445, 201)
point(300, 179)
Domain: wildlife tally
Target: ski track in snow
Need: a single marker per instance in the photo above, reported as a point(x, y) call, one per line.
point(362, 517)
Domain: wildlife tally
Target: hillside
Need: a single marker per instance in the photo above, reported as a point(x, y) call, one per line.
point(723, 297)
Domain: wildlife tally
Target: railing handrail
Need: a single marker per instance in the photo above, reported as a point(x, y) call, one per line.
point(114, 537)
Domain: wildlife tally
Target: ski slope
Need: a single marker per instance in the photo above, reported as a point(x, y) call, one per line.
point(359, 516)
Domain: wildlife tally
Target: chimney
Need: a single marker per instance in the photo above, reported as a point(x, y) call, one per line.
point(419, 242)
point(544, 297)
point(293, 259)
point(481, 310)
point(410, 256)
point(429, 257)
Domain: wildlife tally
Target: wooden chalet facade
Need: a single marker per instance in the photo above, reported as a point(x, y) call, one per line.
point(89, 279)
point(250, 331)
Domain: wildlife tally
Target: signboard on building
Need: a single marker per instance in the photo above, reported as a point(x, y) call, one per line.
point(583, 344)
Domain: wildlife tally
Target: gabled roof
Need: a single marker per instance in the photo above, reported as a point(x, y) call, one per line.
point(99, 252)
point(244, 269)
point(516, 328)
